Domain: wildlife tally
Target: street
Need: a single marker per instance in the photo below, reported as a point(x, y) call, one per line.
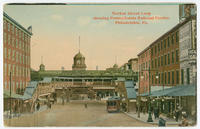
point(75, 114)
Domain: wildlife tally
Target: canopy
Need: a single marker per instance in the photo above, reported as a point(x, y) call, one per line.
point(186, 90)
point(6, 94)
point(30, 89)
point(130, 90)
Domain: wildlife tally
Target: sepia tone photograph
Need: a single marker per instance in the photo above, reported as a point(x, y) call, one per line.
point(99, 65)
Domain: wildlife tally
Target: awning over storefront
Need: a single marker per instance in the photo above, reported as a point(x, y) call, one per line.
point(6, 94)
point(30, 89)
point(187, 90)
point(131, 93)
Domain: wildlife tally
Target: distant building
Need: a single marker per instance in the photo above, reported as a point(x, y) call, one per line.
point(133, 64)
point(16, 47)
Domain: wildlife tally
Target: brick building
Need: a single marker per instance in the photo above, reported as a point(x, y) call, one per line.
point(16, 45)
point(144, 58)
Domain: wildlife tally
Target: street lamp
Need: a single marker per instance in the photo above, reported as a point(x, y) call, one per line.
point(149, 111)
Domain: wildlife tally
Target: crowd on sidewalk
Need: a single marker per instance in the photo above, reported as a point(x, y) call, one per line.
point(180, 117)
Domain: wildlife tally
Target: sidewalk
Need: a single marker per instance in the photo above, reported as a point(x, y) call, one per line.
point(6, 114)
point(144, 117)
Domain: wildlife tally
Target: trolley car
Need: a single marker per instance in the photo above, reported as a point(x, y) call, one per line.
point(113, 104)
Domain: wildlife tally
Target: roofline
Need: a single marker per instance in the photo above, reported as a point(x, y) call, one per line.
point(143, 50)
point(15, 22)
point(173, 29)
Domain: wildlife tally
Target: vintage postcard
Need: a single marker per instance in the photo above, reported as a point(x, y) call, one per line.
point(99, 65)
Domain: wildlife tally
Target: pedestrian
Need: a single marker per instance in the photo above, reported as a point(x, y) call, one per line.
point(155, 112)
point(184, 120)
point(177, 112)
point(85, 105)
point(162, 121)
point(38, 106)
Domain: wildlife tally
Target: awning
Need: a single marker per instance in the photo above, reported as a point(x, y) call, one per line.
point(130, 90)
point(184, 91)
point(6, 94)
point(187, 90)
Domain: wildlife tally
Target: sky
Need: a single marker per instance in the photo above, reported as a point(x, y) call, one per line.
point(56, 31)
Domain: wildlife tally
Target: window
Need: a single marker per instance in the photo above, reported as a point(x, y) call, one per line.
point(152, 78)
point(165, 77)
point(172, 57)
point(172, 77)
point(168, 58)
point(152, 52)
point(188, 76)
point(182, 76)
point(152, 64)
point(158, 47)
point(19, 44)
point(12, 29)
point(168, 77)
point(5, 38)
point(172, 39)
point(13, 55)
point(168, 42)
point(20, 34)
point(161, 60)
point(177, 77)
point(16, 32)
point(155, 63)
point(13, 42)
point(159, 78)
point(16, 43)
point(158, 61)
point(8, 39)
point(162, 76)
point(4, 24)
point(164, 43)
point(177, 37)
point(161, 45)
point(9, 68)
point(5, 53)
point(5, 69)
point(177, 56)
point(165, 59)
point(155, 49)
point(9, 53)
point(8, 26)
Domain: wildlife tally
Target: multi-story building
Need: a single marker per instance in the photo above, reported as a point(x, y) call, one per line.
point(16, 61)
point(188, 52)
point(133, 64)
point(144, 58)
point(165, 66)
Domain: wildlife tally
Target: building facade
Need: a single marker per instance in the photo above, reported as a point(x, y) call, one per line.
point(133, 64)
point(165, 66)
point(144, 58)
point(16, 61)
point(188, 53)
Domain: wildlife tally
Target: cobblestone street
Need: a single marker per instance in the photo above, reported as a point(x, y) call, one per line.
point(75, 114)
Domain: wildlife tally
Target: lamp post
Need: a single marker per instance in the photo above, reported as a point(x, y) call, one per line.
point(149, 111)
